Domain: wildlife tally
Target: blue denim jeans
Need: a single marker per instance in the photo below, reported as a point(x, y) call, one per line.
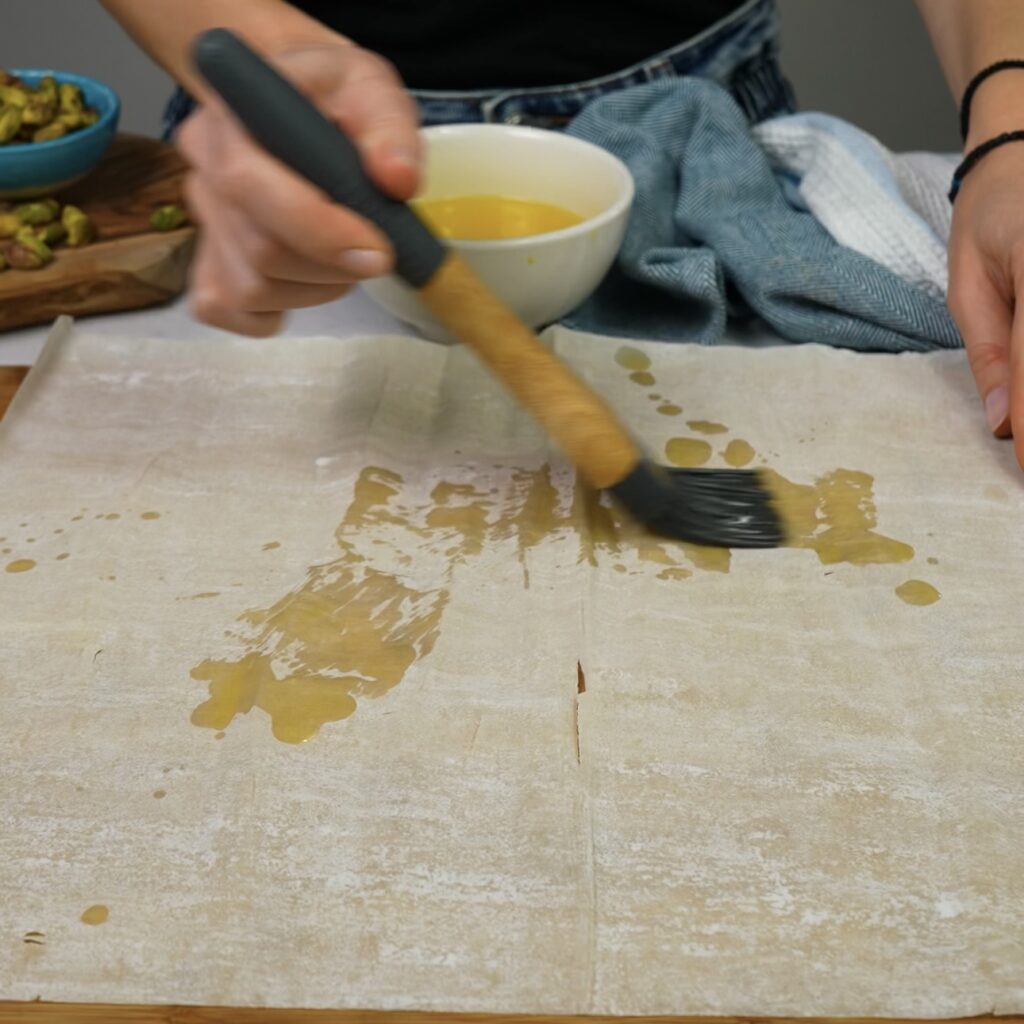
point(740, 52)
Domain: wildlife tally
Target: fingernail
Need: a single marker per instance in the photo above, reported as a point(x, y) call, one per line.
point(997, 408)
point(364, 262)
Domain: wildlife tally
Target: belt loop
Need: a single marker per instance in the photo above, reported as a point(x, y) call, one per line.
point(493, 109)
point(661, 67)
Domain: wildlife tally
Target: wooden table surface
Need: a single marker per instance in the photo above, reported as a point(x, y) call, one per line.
point(10, 380)
point(66, 1013)
point(96, 1013)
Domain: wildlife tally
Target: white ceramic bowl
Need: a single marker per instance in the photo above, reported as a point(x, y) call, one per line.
point(541, 277)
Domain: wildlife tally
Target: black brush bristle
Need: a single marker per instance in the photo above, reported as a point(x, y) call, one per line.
point(722, 508)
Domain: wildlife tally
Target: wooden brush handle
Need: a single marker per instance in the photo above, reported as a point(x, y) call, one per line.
point(577, 419)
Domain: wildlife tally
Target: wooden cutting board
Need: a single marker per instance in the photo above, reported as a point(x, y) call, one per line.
point(130, 266)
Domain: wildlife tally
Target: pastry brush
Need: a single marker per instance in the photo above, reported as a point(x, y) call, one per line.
point(722, 508)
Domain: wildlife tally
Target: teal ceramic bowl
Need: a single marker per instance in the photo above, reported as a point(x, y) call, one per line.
point(37, 168)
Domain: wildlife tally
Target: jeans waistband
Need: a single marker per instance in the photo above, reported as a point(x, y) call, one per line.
point(740, 52)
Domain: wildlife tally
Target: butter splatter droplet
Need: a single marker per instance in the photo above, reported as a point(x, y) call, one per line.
point(687, 452)
point(669, 409)
point(21, 565)
point(159, 794)
point(738, 453)
point(630, 358)
point(96, 914)
point(707, 427)
point(111, 516)
point(675, 573)
point(933, 561)
point(643, 378)
point(63, 555)
point(272, 545)
point(917, 592)
point(150, 515)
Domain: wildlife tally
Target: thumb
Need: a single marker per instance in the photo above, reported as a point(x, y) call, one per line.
point(985, 318)
point(1014, 425)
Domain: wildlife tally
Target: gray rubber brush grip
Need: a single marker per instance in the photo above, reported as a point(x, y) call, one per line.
point(287, 125)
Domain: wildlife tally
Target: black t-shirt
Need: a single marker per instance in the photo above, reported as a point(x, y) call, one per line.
point(457, 44)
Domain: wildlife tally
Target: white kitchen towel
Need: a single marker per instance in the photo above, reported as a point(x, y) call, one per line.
point(888, 206)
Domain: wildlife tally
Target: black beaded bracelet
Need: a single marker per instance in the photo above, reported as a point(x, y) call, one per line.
point(971, 160)
point(972, 88)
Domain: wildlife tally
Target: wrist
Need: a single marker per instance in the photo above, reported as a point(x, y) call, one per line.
point(1002, 156)
point(997, 107)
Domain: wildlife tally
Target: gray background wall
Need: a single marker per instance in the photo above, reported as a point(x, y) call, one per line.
point(866, 60)
point(871, 62)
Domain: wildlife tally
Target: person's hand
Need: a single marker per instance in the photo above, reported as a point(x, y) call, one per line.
point(270, 241)
point(986, 285)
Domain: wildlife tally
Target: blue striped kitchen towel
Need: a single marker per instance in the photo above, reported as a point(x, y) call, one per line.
point(712, 235)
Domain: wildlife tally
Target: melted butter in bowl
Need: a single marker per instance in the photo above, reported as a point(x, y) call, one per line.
point(489, 217)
